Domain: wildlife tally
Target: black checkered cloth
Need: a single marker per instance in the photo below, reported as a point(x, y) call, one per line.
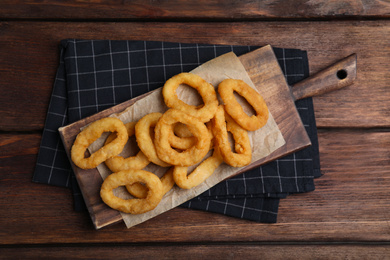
point(94, 75)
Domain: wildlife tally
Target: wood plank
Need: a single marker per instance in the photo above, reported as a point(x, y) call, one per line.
point(266, 75)
point(179, 9)
point(226, 251)
point(351, 203)
point(27, 76)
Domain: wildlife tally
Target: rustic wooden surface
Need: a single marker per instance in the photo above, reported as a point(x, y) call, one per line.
point(265, 73)
point(347, 216)
point(339, 75)
point(194, 9)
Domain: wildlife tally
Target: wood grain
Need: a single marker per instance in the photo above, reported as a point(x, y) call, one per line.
point(339, 75)
point(266, 75)
point(351, 203)
point(346, 217)
point(225, 251)
point(193, 9)
point(28, 76)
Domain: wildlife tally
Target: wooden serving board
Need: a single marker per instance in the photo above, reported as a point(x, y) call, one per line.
point(263, 69)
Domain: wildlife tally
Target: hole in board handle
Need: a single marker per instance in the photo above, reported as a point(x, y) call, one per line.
point(342, 74)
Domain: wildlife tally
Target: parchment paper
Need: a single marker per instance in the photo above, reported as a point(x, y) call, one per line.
point(263, 141)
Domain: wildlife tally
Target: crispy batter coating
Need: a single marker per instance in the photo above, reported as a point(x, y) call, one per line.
point(128, 177)
point(164, 129)
point(141, 191)
point(145, 141)
point(204, 170)
point(222, 123)
point(206, 90)
point(251, 123)
point(118, 163)
point(90, 134)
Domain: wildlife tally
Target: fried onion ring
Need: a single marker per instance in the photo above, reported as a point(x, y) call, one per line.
point(118, 163)
point(90, 134)
point(181, 130)
point(223, 123)
point(251, 123)
point(183, 139)
point(127, 177)
point(164, 129)
point(204, 170)
point(141, 191)
point(145, 141)
point(181, 142)
point(206, 90)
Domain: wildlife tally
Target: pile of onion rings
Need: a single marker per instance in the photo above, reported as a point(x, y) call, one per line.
point(183, 136)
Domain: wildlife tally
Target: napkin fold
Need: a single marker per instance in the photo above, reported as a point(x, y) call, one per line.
point(96, 74)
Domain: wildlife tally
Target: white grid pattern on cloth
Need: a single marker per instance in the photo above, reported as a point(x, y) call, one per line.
point(112, 73)
point(294, 160)
point(52, 166)
point(146, 66)
point(227, 203)
point(256, 209)
point(243, 207)
point(77, 79)
point(94, 75)
point(280, 180)
point(51, 169)
point(197, 46)
point(129, 71)
point(77, 61)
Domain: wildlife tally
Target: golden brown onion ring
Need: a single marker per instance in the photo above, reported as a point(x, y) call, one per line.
point(141, 191)
point(128, 177)
point(204, 170)
point(222, 123)
point(145, 141)
point(181, 130)
point(164, 129)
point(206, 91)
point(90, 134)
point(118, 163)
point(251, 123)
point(181, 142)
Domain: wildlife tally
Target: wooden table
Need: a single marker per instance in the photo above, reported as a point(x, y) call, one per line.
point(348, 214)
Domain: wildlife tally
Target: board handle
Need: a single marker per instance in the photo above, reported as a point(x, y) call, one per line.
point(336, 76)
